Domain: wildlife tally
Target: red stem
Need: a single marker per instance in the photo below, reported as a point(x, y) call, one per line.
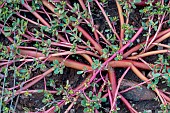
point(118, 52)
point(107, 19)
point(94, 43)
point(35, 14)
point(117, 88)
point(112, 78)
point(137, 47)
point(131, 109)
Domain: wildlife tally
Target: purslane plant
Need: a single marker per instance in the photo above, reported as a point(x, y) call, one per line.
point(61, 32)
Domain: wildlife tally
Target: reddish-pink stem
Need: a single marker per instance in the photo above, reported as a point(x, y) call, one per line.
point(131, 109)
point(35, 14)
point(107, 19)
point(118, 52)
point(159, 28)
point(116, 92)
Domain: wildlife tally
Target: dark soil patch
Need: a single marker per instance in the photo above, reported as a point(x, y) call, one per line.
point(34, 102)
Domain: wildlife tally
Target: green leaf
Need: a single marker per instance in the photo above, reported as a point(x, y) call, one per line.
point(56, 71)
point(7, 34)
point(83, 103)
point(80, 72)
point(96, 105)
point(73, 18)
point(7, 28)
point(39, 91)
point(23, 71)
point(49, 42)
point(90, 93)
point(156, 74)
point(86, 110)
point(169, 79)
point(94, 98)
point(103, 99)
point(55, 62)
point(137, 1)
point(99, 94)
point(169, 70)
point(61, 71)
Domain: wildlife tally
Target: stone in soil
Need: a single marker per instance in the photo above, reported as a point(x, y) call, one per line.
point(137, 94)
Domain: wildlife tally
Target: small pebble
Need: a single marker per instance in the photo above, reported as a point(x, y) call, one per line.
point(72, 110)
point(19, 106)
